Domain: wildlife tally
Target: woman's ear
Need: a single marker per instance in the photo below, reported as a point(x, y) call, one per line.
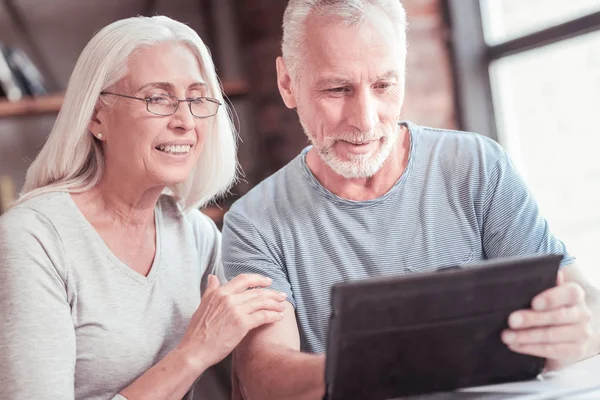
point(96, 126)
point(284, 82)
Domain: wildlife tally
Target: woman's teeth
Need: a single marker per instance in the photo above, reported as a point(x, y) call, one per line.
point(179, 149)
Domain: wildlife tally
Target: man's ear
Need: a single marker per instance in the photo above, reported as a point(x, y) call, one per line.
point(284, 82)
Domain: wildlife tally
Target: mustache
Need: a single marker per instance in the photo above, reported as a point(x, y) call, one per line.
point(359, 137)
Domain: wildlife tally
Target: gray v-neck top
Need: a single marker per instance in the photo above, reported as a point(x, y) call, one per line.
point(77, 323)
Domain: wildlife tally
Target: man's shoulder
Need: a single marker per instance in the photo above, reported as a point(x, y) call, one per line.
point(450, 145)
point(466, 138)
point(273, 191)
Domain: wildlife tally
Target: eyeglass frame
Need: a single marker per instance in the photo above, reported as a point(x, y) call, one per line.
point(179, 101)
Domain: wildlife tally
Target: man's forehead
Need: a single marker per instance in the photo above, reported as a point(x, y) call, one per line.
point(332, 47)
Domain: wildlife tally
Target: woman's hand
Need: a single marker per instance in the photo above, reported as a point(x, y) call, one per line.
point(226, 314)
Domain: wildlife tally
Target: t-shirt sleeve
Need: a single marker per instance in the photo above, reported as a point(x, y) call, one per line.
point(37, 338)
point(216, 258)
point(512, 224)
point(245, 251)
point(208, 243)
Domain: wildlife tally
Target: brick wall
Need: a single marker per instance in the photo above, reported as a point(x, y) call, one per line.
point(278, 136)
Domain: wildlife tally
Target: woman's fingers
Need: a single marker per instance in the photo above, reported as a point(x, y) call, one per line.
point(212, 284)
point(244, 282)
point(261, 303)
point(263, 317)
point(257, 293)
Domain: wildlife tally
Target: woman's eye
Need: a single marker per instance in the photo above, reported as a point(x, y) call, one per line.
point(158, 99)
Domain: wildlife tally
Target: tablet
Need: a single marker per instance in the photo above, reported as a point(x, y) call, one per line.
point(434, 331)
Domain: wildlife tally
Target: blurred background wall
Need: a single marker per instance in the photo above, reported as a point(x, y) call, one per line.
point(523, 72)
point(244, 38)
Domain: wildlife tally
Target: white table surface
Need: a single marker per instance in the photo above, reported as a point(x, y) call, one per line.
point(580, 381)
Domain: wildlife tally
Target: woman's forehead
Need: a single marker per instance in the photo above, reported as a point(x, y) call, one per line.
point(167, 66)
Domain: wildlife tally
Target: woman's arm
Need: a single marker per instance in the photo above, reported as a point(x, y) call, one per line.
point(170, 378)
point(226, 314)
point(37, 337)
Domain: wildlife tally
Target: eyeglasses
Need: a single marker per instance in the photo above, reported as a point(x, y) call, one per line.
point(165, 104)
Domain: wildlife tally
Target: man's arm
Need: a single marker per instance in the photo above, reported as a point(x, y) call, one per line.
point(270, 366)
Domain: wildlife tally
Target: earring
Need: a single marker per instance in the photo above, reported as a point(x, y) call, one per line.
point(99, 136)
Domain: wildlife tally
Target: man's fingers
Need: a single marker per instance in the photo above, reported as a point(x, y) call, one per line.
point(246, 281)
point(556, 334)
point(524, 319)
point(567, 294)
point(556, 351)
point(560, 277)
point(263, 317)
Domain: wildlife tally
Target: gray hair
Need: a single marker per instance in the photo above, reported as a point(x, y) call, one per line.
point(71, 160)
point(351, 12)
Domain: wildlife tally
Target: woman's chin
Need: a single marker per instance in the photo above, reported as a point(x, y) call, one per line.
point(172, 178)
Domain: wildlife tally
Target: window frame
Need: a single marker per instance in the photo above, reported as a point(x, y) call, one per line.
point(473, 57)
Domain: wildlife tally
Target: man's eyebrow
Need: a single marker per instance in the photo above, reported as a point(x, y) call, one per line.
point(336, 82)
point(328, 82)
point(387, 75)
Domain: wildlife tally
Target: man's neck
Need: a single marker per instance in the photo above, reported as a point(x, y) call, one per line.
point(364, 188)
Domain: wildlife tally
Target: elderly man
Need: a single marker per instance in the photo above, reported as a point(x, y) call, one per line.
point(376, 196)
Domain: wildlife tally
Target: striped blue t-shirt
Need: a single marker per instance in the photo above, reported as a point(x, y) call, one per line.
point(460, 200)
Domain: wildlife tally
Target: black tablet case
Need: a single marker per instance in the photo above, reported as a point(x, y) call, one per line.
point(434, 331)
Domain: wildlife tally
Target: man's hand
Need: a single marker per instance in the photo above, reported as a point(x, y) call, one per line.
point(558, 326)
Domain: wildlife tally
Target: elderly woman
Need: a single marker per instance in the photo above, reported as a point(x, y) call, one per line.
point(103, 258)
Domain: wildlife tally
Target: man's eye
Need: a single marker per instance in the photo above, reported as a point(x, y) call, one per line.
point(338, 90)
point(383, 85)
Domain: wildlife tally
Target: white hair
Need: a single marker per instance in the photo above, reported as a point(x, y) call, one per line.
point(72, 160)
point(350, 12)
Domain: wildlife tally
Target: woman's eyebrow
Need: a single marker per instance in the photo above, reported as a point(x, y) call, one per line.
point(198, 85)
point(159, 85)
point(167, 86)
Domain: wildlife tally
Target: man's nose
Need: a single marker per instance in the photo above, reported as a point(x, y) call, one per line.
point(364, 113)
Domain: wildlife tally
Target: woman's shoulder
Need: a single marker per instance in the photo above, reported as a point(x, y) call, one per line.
point(35, 214)
point(204, 229)
point(29, 237)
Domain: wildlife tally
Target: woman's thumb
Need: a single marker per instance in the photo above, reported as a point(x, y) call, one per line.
point(213, 283)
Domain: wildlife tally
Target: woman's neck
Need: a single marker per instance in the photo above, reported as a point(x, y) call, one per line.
point(124, 203)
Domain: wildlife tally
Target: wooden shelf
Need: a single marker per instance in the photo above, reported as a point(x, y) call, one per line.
point(39, 105)
point(51, 103)
point(235, 88)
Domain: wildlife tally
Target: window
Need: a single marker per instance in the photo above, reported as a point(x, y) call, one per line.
point(528, 74)
point(504, 20)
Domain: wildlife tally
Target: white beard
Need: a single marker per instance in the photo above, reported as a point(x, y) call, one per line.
point(357, 165)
